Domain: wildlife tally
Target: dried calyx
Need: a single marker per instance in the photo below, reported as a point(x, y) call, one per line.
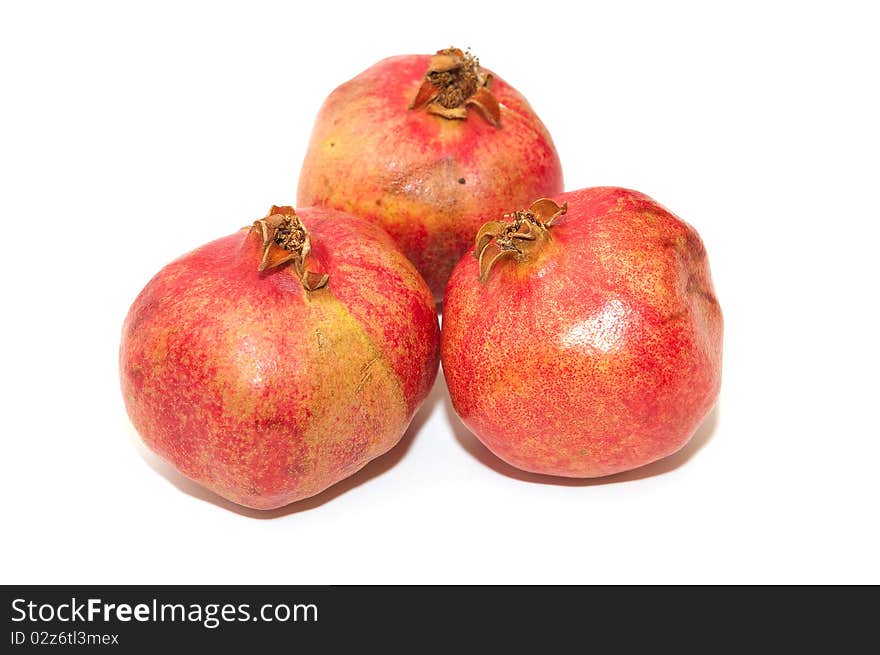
point(285, 239)
point(454, 82)
point(519, 235)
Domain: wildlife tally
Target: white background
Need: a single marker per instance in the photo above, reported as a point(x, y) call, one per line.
point(133, 133)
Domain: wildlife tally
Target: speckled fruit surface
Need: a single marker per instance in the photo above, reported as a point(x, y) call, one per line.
point(599, 351)
point(265, 392)
point(429, 181)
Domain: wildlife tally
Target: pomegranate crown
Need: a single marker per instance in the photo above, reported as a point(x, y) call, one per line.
point(284, 239)
point(519, 234)
point(455, 82)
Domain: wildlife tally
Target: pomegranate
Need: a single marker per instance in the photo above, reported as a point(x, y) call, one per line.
point(428, 147)
point(584, 336)
point(274, 362)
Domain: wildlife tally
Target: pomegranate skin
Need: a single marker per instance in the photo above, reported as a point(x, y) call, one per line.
point(267, 393)
point(429, 181)
point(599, 354)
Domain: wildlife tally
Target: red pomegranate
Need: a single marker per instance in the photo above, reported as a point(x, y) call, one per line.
point(274, 362)
point(584, 338)
point(428, 148)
